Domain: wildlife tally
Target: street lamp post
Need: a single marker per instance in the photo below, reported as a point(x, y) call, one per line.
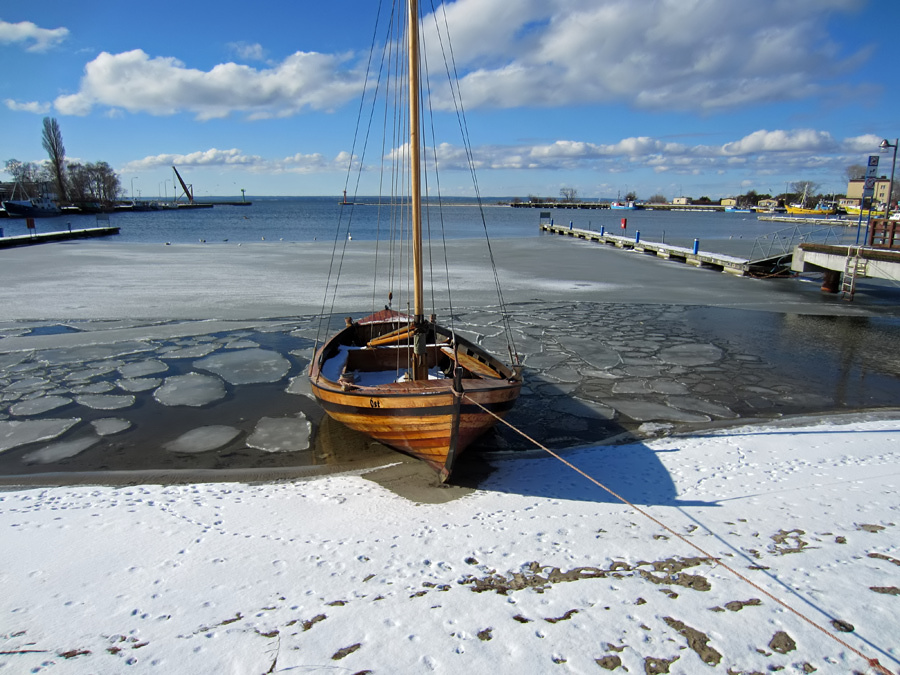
point(884, 146)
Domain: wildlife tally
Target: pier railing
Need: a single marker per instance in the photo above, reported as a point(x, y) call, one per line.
point(783, 242)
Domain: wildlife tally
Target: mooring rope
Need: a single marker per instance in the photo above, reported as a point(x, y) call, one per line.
point(873, 663)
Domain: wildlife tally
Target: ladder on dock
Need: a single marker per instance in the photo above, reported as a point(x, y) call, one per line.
point(854, 267)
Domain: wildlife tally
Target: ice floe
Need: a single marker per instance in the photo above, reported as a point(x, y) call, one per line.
point(189, 352)
point(14, 433)
point(98, 352)
point(139, 384)
point(94, 388)
point(192, 389)
point(696, 354)
point(105, 401)
point(247, 366)
point(648, 411)
point(142, 368)
point(299, 385)
point(108, 426)
point(28, 384)
point(203, 439)
point(281, 434)
point(61, 450)
point(38, 406)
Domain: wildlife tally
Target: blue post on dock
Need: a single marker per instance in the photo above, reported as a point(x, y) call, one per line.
point(637, 237)
point(602, 230)
point(696, 246)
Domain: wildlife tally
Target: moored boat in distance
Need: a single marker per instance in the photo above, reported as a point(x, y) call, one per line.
point(626, 206)
point(41, 207)
point(819, 210)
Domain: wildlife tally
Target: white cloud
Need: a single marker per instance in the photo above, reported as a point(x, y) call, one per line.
point(795, 149)
point(38, 39)
point(248, 52)
point(801, 140)
point(691, 55)
point(235, 159)
point(28, 106)
point(653, 54)
point(136, 82)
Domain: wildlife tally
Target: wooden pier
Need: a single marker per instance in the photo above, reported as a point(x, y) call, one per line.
point(62, 235)
point(697, 258)
point(843, 266)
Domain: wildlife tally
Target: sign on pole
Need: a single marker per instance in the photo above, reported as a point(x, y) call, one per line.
point(871, 176)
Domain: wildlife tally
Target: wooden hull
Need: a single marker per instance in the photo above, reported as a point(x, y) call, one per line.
point(425, 419)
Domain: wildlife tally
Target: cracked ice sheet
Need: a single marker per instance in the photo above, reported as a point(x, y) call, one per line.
point(302, 570)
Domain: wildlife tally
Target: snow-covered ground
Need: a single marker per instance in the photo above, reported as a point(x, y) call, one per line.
point(537, 571)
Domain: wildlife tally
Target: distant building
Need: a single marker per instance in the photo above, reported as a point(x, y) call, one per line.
point(767, 204)
point(855, 189)
point(682, 201)
point(728, 201)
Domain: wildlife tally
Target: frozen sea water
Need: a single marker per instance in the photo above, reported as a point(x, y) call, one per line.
point(281, 434)
point(192, 389)
point(203, 439)
point(14, 433)
point(247, 366)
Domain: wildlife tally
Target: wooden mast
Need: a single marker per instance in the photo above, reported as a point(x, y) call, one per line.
point(419, 365)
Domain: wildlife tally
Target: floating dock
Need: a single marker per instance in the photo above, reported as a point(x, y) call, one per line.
point(62, 235)
point(695, 257)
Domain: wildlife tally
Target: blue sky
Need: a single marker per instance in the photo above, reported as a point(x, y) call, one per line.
point(673, 97)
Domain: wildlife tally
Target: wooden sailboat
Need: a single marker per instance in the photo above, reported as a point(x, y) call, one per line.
point(402, 378)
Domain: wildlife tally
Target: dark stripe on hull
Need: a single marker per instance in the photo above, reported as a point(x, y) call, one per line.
point(499, 407)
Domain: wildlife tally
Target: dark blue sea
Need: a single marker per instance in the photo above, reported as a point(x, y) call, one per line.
point(302, 219)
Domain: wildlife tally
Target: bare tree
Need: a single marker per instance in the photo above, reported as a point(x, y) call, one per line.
point(568, 194)
point(855, 172)
point(805, 187)
point(53, 144)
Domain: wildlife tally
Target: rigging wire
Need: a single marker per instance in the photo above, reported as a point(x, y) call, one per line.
point(456, 94)
point(329, 288)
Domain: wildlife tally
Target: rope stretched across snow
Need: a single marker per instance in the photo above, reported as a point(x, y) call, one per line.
point(873, 663)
